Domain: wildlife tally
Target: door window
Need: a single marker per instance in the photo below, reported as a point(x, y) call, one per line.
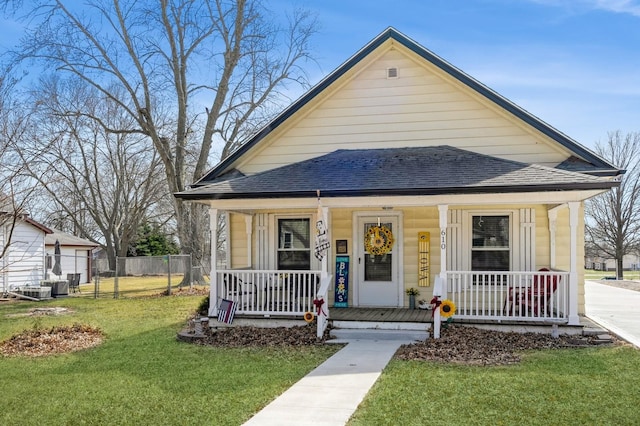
point(378, 267)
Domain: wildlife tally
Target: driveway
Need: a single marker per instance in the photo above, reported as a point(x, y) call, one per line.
point(615, 308)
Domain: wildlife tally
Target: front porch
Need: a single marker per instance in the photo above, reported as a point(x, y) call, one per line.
point(526, 297)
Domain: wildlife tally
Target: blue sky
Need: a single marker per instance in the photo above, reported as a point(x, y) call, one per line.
point(573, 63)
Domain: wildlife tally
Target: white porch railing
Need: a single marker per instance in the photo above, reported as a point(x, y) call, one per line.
point(507, 295)
point(269, 292)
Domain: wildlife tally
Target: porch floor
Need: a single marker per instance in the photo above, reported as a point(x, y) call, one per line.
point(380, 314)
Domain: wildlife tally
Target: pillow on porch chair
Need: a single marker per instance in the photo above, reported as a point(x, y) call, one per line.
point(236, 289)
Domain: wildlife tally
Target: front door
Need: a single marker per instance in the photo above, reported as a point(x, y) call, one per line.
point(378, 274)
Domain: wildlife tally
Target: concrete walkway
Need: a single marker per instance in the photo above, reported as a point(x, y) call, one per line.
point(331, 393)
point(616, 309)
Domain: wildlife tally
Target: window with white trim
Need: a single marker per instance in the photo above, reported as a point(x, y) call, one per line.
point(294, 244)
point(491, 243)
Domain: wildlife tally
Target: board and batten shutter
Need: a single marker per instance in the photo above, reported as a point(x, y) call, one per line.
point(527, 240)
point(262, 241)
point(454, 241)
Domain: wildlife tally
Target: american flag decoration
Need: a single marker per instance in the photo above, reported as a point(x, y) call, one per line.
point(226, 311)
point(322, 239)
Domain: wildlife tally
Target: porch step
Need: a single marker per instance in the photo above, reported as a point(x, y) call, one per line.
point(345, 335)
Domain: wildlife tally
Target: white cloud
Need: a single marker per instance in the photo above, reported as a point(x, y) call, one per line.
point(631, 7)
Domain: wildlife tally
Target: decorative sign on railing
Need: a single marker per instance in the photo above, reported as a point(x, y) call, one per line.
point(342, 282)
point(424, 259)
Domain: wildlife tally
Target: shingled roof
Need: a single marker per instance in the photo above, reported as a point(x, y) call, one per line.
point(398, 171)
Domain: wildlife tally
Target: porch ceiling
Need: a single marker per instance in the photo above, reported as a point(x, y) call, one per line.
point(419, 171)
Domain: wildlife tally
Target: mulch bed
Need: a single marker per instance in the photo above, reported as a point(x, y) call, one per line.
point(56, 340)
point(457, 344)
point(474, 346)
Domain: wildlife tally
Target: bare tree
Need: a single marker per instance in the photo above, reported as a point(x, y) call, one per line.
point(189, 74)
point(104, 185)
point(15, 188)
point(613, 218)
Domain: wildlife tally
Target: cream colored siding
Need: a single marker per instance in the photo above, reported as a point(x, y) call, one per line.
point(563, 249)
point(237, 234)
point(423, 107)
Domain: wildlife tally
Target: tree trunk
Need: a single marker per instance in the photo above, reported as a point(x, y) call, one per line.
point(619, 270)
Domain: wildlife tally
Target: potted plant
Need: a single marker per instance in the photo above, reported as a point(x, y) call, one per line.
point(412, 293)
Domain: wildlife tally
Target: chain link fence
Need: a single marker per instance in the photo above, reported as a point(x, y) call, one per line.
point(146, 276)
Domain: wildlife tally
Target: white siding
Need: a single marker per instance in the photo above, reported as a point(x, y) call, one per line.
point(423, 107)
point(23, 264)
point(73, 259)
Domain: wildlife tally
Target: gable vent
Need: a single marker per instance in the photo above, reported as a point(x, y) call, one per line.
point(392, 72)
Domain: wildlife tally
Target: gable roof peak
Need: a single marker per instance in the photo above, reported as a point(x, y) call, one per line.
point(601, 165)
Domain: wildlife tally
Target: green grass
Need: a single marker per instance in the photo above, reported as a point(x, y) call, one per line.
point(132, 286)
point(141, 374)
point(596, 275)
point(561, 387)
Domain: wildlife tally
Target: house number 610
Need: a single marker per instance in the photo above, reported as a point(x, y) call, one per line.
point(443, 239)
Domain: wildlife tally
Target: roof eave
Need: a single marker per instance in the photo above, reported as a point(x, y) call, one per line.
point(400, 192)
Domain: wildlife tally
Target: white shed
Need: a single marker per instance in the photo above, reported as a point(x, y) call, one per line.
point(76, 254)
point(23, 261)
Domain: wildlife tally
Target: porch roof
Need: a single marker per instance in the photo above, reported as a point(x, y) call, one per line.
point(398, 171)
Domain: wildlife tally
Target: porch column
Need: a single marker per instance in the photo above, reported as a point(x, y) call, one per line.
point(213, 287)
point(248, 220)
point(443, 210)
point(325, 260)
point(574, 208)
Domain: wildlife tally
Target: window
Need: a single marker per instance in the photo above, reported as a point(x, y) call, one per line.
point(491, 243)
point(294, 247)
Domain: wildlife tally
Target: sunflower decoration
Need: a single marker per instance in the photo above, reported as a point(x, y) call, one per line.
point(447, 308)
point(308, 317)
point(379, 240)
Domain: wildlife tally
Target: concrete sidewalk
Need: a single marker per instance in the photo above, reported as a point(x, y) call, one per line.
point(331, 393)
point(616, 309)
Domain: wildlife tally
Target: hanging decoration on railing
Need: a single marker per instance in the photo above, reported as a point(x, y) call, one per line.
point(378, 240)
point(322, 239)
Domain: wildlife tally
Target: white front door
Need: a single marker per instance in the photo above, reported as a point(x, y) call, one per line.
point(378, 277)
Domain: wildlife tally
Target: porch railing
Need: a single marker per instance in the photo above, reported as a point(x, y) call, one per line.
point(507, 295)
point(269, 292)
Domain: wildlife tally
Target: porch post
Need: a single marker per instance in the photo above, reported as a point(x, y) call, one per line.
point(248, 220)
point(443, 209)
point(213, 287)
point(325, 260)
point(440, 286)
point(574, 207)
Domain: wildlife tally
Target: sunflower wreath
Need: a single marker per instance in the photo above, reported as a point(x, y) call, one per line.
point(379, 240)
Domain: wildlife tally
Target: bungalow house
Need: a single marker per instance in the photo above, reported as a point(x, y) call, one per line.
point(23, 252)
point(413, 171)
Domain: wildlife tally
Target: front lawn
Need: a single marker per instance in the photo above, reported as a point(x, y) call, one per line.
point(587, 386)
point(140, 374)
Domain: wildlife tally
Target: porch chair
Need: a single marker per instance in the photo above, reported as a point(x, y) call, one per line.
point(537, 298)
point(532, 298)
point(239, 291)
